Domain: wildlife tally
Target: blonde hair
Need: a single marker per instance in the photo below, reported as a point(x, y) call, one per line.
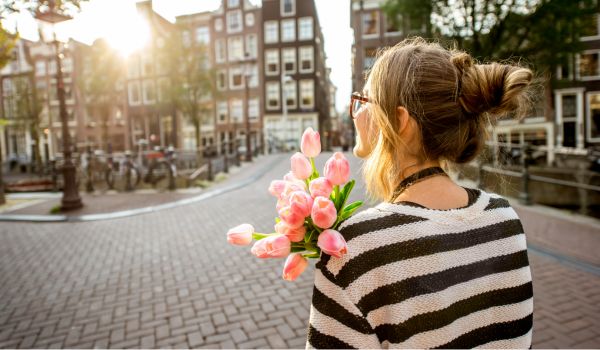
point(450, 97)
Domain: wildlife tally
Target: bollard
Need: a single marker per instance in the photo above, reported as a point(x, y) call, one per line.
point(210, 170)
point(54, 175)
point(89, 186)
point(524, 196)
point(480, 180)
point(225, 165)
point(128, 184)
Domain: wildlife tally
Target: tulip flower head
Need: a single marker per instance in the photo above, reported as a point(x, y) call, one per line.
point(333, 243)
point(276, 187)
point(311, 143)
point(301, 202)
point(294, 265)
point(293, 234)
point(291, 216)
point(337, 169)
point(323, 212)
point(240, 235)
point(320, 187)
point(301, 167)
point(276, 246)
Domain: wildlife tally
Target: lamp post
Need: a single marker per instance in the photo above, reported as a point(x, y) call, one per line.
point(284, 80)
point(247, 74)
point(71, 199)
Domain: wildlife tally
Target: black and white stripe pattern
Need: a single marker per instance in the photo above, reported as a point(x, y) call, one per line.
point(420, 278)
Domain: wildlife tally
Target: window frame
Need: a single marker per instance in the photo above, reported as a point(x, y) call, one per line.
point(588, 117)
point(240, 17)
point(282, 8)
point(268, 96)
point(300, 59)
point(302, 20)
point(267, 62)
point(377, 26)
point(283, 26)
point(302, 105)
point(275, 26)
point(284, 61)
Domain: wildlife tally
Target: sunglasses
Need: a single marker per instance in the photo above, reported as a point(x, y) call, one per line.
point(357, 103)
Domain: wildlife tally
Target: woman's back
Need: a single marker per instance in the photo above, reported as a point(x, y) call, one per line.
point(422, 278)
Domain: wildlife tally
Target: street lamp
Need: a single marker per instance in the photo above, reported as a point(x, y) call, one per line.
point(247, 74)
point(51, 16)
point(285, 79)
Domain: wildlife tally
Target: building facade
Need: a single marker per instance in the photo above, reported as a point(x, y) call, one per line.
point(296, 80)
point(235, 47)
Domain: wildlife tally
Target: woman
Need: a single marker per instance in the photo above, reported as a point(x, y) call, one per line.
point(435, 264)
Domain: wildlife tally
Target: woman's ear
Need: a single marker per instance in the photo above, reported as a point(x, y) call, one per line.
point(403, 119)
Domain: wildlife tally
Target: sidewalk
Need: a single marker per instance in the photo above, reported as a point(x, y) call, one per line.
point(47, 203)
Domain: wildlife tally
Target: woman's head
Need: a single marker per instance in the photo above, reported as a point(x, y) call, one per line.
point(430, 105)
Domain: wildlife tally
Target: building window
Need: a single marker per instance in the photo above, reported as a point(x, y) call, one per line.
point(307, 93)
point(221, 112)
point(369, 60)
point(289, 60)
point(288, 30)
point(307, 59)
point(272, 95)
point(588, 65)
point(149, 91)
point(236, 48)
point(569, 120)
point(236, 81)
point(186, 38)
point(40, 68)
point(147, 66)
point(163, 89)
point(133, 67)
point(288, 7)
point(134, 93)
point(202, 35)
point(305, 28)
point(394, 25)
point(234, 21)
point(370, 23)
point(590, 28)
point(290, 93)
point(233, 3)
point(220, 51)
point(222, 79)
point(237, 110)
point(218, 24)
point(271, 32)
point(251, 45)
point(249, 19)
point(594, 116)
point(253, 82)
point(272, 62)
point(253, 108)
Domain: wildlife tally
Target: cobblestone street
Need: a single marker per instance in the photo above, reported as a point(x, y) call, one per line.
point(169, 279)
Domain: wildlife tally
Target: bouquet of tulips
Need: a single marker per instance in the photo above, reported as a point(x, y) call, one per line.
point(310, 208)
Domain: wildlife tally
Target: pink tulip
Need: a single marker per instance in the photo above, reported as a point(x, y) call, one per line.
point(292, 217)
point(293, 234)
point(282, 202)
point(276, 187)
point(294, 265)
point(333, 243)
point(323, 212)
point(276, 246)
point(320, 187)
point(291, 187)
point(289, 176)
point(301, 166)
point(337, 169)
point(311, 143)
point(240, 235)
point(301, 202)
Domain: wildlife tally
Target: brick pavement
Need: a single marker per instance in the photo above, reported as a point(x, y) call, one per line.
point(170, 280)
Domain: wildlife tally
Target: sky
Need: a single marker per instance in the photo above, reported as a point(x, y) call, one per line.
point(99, 18)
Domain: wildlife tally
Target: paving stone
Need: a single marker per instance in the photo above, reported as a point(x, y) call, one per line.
point(276, 341)
point(195, 339)
point(148, 342)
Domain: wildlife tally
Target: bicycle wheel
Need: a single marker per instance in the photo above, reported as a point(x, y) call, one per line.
point(161, 173)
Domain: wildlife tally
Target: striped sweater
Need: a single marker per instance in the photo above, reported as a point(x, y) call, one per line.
point(424, 278)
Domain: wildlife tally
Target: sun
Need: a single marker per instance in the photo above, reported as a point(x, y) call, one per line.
point(129, 35)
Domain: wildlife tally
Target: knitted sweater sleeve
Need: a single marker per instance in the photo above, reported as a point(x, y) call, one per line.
point(335, 321)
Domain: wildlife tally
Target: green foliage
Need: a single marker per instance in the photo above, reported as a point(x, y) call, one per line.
point(8, 7)
point(543, 32)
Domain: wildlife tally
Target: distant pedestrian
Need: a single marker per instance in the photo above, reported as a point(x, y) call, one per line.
point(435, 264)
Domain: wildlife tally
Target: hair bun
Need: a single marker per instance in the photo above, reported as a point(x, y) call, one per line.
point(495, 89)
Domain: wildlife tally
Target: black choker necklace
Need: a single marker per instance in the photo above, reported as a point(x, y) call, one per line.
point(416, 177)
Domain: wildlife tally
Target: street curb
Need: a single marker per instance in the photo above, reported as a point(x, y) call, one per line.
point(144, 210)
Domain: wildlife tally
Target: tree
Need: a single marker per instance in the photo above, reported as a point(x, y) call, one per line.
point(545, 33)
point(7, 44)
point(103, 71)
point(191, 82)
